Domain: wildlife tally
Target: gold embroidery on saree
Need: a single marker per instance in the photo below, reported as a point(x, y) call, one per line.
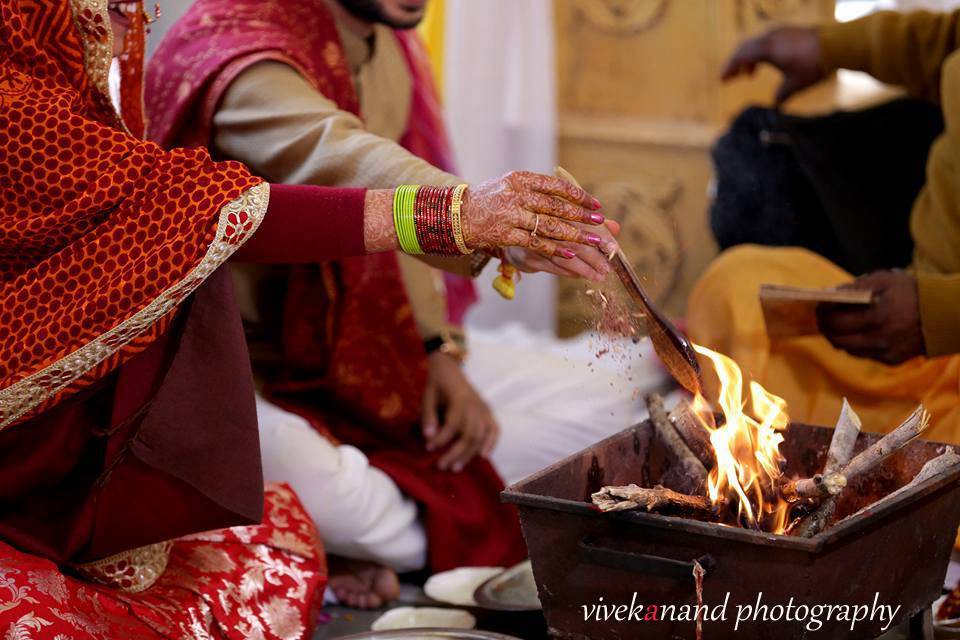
point(238, 220)
point(132, 571)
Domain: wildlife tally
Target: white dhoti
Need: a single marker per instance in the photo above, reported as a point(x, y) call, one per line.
point(555, 397)
point(551, 398)
point(359, 511)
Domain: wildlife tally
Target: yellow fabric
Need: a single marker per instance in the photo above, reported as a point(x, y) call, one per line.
point(919, 51)
point(813, 377)
point(433, 30)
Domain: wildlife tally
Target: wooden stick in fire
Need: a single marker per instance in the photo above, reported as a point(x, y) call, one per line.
point(656, 499)
point(690, 467)
point(824, 486)
point(685, 421)
point(841, 449)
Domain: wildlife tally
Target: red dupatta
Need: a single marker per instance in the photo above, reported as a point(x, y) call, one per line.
point(355, 364)
point(100, 242)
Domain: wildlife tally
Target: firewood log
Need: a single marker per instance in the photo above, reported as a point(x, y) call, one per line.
point(944, 464)
point(692, 473)
point(841, 449)
point(825, 485)
point(656, 499)
point(694, 434)
point(818, 487)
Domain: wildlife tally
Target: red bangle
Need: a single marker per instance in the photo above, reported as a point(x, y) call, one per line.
point(433, 221)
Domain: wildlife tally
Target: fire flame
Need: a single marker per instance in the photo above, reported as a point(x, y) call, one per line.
point(747, 447)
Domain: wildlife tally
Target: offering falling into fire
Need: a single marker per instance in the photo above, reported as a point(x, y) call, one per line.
point(747, 447)
point(729, 469)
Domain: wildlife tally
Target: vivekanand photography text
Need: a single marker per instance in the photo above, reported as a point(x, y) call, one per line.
point(811, 616)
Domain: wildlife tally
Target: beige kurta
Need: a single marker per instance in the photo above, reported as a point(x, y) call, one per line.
point(272, 119)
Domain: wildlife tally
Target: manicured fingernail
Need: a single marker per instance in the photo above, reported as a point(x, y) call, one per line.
point(596, 204)
point(457, 468)
point(597, 218)
point(594, 239)
point(568, 254)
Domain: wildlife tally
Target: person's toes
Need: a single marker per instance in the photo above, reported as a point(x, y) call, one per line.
point(386, 585)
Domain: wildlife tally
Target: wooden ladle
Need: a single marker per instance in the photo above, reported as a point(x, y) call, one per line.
point(674, 349)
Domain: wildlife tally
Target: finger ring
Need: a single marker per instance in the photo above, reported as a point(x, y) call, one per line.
point(536, 225)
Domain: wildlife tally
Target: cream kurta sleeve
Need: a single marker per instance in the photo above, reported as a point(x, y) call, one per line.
point(273, 120)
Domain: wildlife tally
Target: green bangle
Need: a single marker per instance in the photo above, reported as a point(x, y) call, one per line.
point(404, 199)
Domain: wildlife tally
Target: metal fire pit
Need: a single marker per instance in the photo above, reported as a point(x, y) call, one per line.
point(579, 555)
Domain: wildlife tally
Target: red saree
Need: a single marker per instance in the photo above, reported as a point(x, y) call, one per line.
point(260, 582)
point(347, 355)
point(124, 369)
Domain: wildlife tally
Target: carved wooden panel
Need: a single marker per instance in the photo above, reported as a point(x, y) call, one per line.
point(640, 104)
point(659, 195)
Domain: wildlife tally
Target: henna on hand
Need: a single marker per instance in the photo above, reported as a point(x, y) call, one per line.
point(506, 211)
point(379, 233)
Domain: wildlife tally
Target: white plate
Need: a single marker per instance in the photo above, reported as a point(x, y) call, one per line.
point(458, 585)
point(418, 617)
point(512, 590)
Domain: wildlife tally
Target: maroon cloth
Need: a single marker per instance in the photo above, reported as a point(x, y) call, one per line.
point(165, 446)
point(307, 225)
point(347, 355)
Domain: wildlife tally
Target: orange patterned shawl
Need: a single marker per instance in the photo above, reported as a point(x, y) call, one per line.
point(102, 235)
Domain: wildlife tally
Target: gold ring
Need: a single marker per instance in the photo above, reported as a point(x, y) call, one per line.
point(536, 225)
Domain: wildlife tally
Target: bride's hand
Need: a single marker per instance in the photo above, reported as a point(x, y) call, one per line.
point(590, 263)
point(532, 211)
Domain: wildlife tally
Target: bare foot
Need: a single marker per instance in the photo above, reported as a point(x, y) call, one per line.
point(362, 585)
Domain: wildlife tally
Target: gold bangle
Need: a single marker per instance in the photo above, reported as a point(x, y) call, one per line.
point(455, 219)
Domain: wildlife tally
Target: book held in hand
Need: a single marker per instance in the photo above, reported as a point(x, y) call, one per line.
point(792, 311)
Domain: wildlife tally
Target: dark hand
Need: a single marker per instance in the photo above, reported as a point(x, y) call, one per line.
point(468, 423)
point(888, 330)
point(795, 51)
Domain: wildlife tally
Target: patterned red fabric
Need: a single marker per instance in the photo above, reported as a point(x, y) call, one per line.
point(261, 582)
point(102, 235)
point(353, 362)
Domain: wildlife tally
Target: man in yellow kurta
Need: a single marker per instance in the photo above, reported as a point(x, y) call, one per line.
point(904, 348)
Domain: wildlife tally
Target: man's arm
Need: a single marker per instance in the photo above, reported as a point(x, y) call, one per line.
point(276, 122)
point(273, 119)
point(906, 49)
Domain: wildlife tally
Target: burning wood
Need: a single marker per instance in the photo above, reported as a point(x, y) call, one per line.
point(737, 461)
point(694, 434)
point(691, 474)
point(656, 499)
point(825, 485)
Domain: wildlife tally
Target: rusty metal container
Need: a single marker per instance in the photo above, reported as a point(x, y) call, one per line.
point(899, 551)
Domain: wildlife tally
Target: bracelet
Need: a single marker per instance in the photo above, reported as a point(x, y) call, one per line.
point(404, 201)
point(428, 220)
point(433, 221)
point(455, 219)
